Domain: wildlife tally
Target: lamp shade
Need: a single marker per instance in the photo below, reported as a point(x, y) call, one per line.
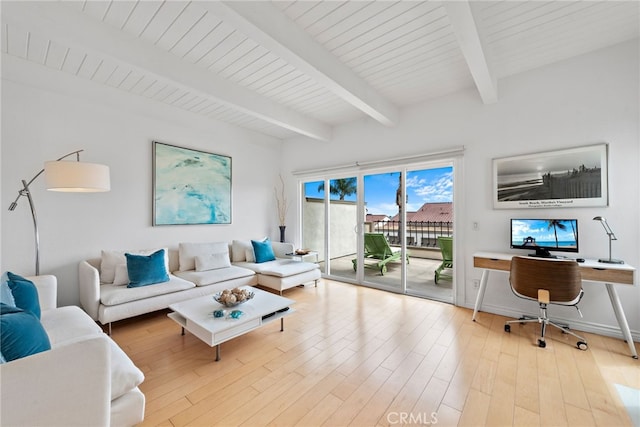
point(80, 177)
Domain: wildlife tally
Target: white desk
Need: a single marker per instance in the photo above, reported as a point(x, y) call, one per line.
point(591, 270)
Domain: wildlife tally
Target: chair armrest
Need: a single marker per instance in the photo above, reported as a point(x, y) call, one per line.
point(89, 288)
point(280, 249)
point(47, 286)
point(68, 385)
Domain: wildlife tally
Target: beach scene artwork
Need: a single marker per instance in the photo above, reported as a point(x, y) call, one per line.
point(564, 178)
point(190, 186)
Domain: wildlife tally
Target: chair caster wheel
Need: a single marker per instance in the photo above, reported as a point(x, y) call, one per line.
point(542, 343)
point(507, 328)
point(582, 345)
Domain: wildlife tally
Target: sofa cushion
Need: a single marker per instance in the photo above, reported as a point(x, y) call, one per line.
point(114, 295)
point(22, 333)
point(110, 259)
point(280, 267)
point(188, 252)
point(263, 250)
point(144, 270)
point(68, 324)
point(204, 278)
point(25, 293)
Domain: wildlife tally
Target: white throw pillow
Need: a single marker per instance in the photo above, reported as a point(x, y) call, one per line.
point(110, 259)
point(238, 250)
point(122, 275)
point(242, 250)
point(125, 376)
point(212, 261)
point(250, 254)
point(187, 252)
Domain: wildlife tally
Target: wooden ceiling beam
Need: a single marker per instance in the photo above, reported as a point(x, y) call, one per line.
point(268, 26)
point(73, 29)
point(471, 44)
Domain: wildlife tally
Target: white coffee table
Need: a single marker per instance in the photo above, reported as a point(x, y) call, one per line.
point(196, 316)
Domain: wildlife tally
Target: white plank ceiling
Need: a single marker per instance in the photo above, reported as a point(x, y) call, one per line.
point(286, 68)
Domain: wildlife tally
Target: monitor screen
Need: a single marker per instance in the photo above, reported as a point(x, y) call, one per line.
point(545, 235)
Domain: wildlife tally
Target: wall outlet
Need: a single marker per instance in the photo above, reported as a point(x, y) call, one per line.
point(475, 226)
point(476, 283)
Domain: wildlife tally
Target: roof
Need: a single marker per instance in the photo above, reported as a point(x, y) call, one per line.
point(377, 217)
point(431, 212)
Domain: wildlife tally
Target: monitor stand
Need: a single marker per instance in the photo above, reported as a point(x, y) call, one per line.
point(542, 253)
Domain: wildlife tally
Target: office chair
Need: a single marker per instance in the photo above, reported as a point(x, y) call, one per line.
point(547, 281)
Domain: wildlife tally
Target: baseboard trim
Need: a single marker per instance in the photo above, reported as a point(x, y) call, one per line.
point(595, 328)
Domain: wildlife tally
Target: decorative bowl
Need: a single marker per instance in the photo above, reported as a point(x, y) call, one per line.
point(302, 251)
point(233, 297)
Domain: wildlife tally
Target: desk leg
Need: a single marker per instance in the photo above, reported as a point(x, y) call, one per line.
point(622, 320)
point(480, 296)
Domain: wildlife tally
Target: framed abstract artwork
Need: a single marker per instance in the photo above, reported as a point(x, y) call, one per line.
point(567, 178)
point(190, 186)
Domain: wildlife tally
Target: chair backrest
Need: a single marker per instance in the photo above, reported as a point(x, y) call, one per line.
point(376, 243)
point(560, 277)
point(446, 247)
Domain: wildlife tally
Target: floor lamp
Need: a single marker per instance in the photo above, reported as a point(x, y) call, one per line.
point(67, 176)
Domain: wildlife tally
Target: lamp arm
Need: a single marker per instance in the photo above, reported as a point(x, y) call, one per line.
point(35, 223)
point(26, 192)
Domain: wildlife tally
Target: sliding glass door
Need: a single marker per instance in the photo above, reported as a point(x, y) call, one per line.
point(383, 228)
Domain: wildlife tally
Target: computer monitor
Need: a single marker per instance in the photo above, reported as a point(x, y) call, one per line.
point(545, 235)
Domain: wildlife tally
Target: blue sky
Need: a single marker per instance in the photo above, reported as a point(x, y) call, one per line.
point(423, 186)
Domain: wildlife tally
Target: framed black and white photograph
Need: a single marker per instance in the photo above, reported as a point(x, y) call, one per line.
point(573, 177)
point(190, 186)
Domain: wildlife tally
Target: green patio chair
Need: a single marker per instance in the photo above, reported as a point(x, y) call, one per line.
point(376, 247)
point(446, 248)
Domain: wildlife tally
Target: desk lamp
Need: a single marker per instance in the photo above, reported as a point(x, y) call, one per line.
point(65, 176)
point(612, 236)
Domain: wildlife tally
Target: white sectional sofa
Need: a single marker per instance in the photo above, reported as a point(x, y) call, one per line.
point(108, 302)
point(84, 380)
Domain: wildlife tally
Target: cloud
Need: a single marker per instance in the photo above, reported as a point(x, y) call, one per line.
point(438, 190)
point(389, 209)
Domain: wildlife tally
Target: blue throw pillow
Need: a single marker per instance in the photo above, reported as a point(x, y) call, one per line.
point(25, 293)
point(263, 250)
point(146, 270)
point(22, 333)
point(6, 297)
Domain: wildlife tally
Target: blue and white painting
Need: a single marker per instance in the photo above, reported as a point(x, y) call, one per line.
point(190, 186)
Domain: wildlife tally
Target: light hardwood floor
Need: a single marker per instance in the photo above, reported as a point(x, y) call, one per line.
point(362, 357)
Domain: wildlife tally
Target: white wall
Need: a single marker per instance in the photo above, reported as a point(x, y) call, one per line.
point(581, 101)
point(118, 131)
point(585, 100)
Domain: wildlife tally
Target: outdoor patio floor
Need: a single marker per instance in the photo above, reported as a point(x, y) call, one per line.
point(420, 277)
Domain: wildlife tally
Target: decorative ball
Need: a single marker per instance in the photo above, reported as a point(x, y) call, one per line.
point(233, 297)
